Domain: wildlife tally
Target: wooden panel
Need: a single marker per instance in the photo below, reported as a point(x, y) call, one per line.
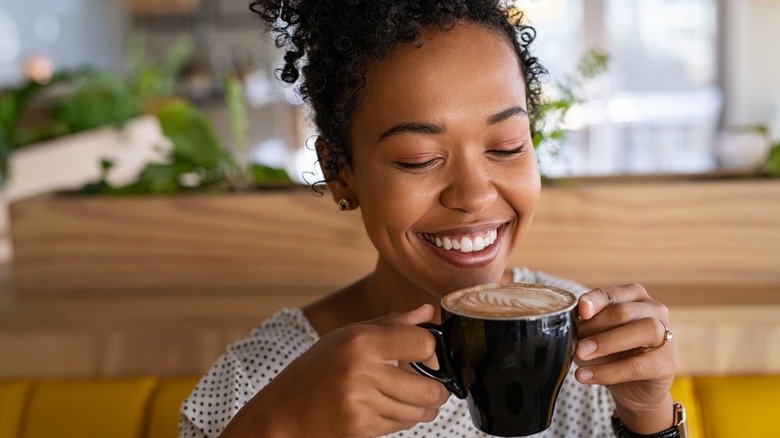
point(723, 235)
point(117, 336)
point(122, 287)
point(715, 340)
point(699, 234)
point(264, 242)
point(182, 337)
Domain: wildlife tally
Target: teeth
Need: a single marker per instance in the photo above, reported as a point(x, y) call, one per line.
point(464, 244)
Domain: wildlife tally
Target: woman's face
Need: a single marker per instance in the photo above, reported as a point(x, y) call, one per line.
point(443, 166)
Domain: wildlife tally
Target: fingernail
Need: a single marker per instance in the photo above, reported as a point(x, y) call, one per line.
point(585, 375)
point(586, 348)
point(586, 306)
point(588, 302)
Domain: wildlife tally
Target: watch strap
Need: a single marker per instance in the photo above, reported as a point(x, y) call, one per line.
point(678, 429)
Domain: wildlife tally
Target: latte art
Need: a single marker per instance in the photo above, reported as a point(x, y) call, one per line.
point(508, 301)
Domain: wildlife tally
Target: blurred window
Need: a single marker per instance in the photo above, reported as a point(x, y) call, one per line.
point(657, 107)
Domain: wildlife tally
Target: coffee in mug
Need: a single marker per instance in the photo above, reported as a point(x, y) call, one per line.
point(506, 349)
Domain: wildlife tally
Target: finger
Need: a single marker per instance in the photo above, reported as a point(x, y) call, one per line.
point(647, 332)
point(619, 314)
point(395, 414)
point(650, 366)
point(410, 388)
point(381, 426)
point(406, 414)
point(594, 301)
point(409, 416)
point(422, 314)
point(404, 343)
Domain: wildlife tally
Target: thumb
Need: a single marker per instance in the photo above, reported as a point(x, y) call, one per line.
point(424, 313)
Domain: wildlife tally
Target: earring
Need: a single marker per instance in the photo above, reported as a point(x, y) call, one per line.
point(344, 204)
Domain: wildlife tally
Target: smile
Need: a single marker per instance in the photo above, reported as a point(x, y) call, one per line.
point(463, 243)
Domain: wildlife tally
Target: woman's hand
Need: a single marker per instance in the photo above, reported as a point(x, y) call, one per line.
point(622, 346)
point(352, 383)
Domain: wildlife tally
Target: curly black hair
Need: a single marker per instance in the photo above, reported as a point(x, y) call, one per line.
point(332, 43)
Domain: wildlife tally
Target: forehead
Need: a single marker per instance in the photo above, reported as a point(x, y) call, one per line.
point(468, 71)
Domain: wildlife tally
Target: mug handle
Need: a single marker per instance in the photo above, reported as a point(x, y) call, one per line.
point(444, 374)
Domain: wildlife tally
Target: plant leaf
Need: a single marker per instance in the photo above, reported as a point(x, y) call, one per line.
point(191, 134)
point(264, 174)
point(772, 165)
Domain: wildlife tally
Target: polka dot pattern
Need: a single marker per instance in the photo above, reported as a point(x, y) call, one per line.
point(248, 365)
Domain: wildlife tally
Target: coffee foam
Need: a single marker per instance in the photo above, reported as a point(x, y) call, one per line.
point(508, 300)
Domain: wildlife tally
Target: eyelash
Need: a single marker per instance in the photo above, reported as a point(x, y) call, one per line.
point(420, 166)
point(510, 153)
point(415, 166)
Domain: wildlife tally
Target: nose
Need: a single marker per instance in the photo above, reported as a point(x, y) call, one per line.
point(470, 189)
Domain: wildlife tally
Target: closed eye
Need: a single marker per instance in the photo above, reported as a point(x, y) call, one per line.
point(508, 153)
point(414, 166)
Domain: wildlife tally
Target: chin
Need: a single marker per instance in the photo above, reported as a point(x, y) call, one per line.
point(464, 278)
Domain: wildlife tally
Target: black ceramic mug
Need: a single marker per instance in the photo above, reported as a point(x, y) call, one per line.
point(506, 348)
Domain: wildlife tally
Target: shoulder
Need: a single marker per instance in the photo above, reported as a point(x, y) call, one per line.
point(526, 275)
point(272, 345)
point(286, 327)
point(246, 367)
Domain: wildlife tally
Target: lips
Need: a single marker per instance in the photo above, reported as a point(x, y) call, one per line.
point(465, 243)
point(471, 247)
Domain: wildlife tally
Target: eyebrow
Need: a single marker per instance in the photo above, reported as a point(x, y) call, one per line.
point(417, 128)
point(507, 113)
point(430, 128)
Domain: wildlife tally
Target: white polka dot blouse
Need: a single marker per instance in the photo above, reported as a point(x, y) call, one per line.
point(249, 364)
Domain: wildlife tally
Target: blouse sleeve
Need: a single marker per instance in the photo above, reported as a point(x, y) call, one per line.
point(216, 398)
point(188, 430)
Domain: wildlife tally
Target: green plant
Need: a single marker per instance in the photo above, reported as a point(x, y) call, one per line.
point(772, 166)
point(548, 126)
point(13, 133)
point(150, 80)
point(82, 100)
point(197, 161)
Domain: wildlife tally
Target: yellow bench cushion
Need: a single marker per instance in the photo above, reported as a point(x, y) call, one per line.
point(747, 406)
point(684, 392)
point(164, 412)
point(88, 408)
point(13, 400)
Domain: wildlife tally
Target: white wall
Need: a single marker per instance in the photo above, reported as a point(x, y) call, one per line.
point(752, 61)
point(72, 33)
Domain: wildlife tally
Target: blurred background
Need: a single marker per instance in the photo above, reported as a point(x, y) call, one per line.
point(637, 87)
point(680, 75)
point(660, 144)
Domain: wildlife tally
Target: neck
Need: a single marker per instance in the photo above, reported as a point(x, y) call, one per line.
point(383, 291)
point(388, 291)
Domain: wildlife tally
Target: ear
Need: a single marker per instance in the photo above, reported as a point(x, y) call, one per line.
point(337, 171)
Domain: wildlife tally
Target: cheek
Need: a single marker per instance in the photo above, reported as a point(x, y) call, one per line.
point(522, 188)
point(391, 204)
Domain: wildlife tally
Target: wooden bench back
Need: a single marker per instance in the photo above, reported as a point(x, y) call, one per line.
point(715, 236)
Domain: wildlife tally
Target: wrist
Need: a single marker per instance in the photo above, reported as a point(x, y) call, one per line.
point(678, 429)
point(648, 421)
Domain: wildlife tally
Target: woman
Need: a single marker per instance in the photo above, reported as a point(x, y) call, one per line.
point(424, 111)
